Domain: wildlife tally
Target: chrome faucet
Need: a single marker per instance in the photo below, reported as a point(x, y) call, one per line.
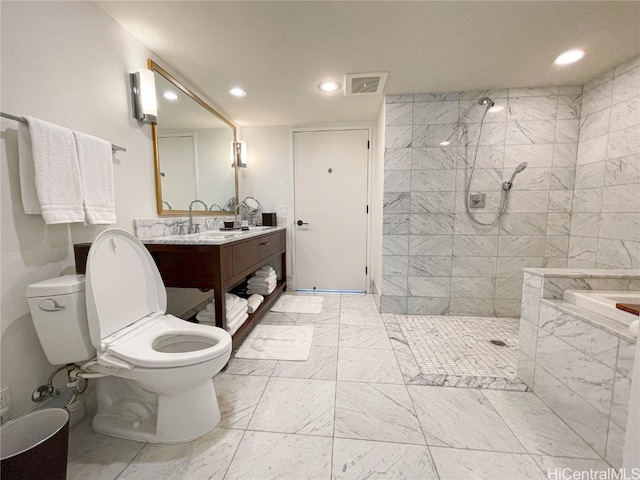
point(189, 230)
point(236, 212)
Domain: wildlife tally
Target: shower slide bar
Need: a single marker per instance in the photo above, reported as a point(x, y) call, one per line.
point(114, 148)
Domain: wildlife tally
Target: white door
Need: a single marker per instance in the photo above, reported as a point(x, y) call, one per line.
point(178, 170)
point(330, 205)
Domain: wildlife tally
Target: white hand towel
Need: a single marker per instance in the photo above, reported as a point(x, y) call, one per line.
point(211, 307)
point(96, 173)
point(254, 302)
point(204, 316)
point(56, 173)
point(266, 268)
point(262, 290)
point(262, 280)
point(256, 298)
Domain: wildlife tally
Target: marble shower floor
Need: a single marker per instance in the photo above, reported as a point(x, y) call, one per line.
point(457, 351)
point(354, 410)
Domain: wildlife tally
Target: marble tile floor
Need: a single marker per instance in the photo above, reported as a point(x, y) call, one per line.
point(349, 412)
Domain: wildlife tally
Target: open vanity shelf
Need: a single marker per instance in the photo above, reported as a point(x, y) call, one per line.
point(218, 267)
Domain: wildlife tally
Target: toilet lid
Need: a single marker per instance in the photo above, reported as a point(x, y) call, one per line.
point(123, 284)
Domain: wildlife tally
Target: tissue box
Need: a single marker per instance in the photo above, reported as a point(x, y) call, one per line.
point(269, 220)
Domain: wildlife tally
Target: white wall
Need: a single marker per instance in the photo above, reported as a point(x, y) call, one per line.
point(67, 63)
point(268, 175)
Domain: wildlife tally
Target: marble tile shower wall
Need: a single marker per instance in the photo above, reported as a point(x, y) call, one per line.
point(435, 259)
point(605, 223)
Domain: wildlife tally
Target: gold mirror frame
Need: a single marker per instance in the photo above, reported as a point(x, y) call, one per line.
point(154, 67)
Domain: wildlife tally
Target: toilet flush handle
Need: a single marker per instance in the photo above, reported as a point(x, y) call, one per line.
point(50, 305)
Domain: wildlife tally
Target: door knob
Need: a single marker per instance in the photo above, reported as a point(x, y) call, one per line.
point(300, 223)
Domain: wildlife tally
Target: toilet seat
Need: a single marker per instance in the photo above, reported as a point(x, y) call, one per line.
point(126, 304)
point(140, 347)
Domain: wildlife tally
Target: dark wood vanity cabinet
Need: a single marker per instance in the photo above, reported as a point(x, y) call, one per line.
point(219, 267)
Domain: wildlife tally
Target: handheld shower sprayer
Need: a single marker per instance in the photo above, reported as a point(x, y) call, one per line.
point(508, 184)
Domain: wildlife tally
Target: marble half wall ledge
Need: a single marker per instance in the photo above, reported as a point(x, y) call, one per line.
point(554, 281)
point(584, 273)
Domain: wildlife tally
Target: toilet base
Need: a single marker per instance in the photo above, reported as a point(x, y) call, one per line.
point(127, 411)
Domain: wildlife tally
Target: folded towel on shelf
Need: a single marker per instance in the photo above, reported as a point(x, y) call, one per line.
point(254, 302)
point(268, 290)
point(49, 167)
point(96, 173)
point(240, 308)
point(211, 307)
point(231, 300)
point(231, 319)
point(205, 317)
point(234, 328)
point(263, 280)
point(264, 271)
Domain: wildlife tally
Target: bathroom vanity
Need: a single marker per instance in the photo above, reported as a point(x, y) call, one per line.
point(215, 260)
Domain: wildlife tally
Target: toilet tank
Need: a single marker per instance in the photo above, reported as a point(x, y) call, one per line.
point(59, 314)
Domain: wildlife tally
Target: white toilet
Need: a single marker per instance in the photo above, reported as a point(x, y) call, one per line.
point(158, 386)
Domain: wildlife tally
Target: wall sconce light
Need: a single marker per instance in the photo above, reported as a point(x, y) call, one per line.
point(239, 151)
point(143, 96)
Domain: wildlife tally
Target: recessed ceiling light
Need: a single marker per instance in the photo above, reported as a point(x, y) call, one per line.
point(170, 95)
point(329, 86)
point(445, 143)
point(238, 92)
point(570, 56)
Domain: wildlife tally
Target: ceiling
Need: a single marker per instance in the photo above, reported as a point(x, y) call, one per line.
point(280, 51)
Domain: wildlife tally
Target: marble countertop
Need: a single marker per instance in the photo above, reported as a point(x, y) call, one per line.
point(212, 237)
point(583, 273)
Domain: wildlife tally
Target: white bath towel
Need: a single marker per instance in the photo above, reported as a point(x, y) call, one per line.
point(54, 173)
point(30, 201)
point(210, 307)
point(231, 300)
point(234, 328)
point(96, 173)
point(231, 320)
point(238, 309)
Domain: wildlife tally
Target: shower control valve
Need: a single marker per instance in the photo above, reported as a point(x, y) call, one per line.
point(476, 200)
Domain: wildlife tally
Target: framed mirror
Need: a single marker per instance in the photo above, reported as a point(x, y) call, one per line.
point(193, 151)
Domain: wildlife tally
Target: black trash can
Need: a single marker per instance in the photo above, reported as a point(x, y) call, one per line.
point(35, 446)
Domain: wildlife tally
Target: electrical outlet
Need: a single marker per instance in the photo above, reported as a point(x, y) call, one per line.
point(5, 398)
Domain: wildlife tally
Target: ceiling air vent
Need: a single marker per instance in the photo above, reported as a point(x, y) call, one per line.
point(364, 83)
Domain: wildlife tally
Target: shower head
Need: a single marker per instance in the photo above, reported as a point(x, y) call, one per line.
point(486, 101)
point(507, 185)
point(520, 167)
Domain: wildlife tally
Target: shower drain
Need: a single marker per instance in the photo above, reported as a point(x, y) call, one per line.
point(499, 343)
